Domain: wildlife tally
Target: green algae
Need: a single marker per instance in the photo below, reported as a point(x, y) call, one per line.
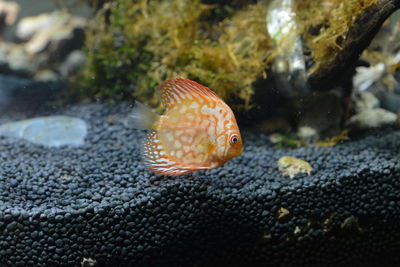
point(135, 45)
point(147, 42)
point(324, 26)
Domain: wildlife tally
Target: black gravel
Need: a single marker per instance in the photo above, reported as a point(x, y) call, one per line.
point(65, 206)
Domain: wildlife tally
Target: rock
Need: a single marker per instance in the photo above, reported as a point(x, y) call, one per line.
point(364, 100)
point(388, 100)
point(391, 102)
point(291, 166)
point(73, 63)
point(368, 113)
point(52, 131)
point(88, 262)
point(282, 213)
point(29, 26)
point(367, 76)
point(307, 133)
point(8, 13)
point(278, 124)
point(26, 94)
point(46, 75)
point(323, 113)
point(15, 60)
point(371, 118)
point(57, 33)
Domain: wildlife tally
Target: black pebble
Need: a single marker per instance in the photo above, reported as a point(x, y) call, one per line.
point(61, 205)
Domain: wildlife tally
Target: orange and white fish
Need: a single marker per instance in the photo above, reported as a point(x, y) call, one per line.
point(197, 130)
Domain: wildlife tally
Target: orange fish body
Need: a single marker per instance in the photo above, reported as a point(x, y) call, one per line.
point(197, 130)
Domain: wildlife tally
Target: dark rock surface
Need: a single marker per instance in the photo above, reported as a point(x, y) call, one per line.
point(97, 203)
point(19, 94)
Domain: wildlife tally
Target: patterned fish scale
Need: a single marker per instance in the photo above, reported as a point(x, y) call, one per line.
point(155, 157)
point(177, 90)
point(194, 132)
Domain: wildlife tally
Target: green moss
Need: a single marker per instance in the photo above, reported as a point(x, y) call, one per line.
point(287, 140)
point(135, 45)
point(333, 141)
point(324, 25)
point(147, 42)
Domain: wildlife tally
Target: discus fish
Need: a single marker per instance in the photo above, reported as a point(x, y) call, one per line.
point(197, 130)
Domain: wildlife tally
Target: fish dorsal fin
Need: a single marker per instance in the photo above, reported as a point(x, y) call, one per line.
point(158, 160)
point(179, 90)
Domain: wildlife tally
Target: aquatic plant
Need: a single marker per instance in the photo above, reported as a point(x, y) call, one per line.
point(324, 25)
point(134, 46)
point(287, 140)
point(333, 141)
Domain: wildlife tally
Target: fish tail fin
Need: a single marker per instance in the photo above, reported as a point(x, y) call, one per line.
point(142, 116)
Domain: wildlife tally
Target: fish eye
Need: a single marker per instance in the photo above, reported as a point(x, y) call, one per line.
point(234, 139)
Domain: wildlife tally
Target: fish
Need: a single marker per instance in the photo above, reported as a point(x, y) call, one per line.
point(197, 130)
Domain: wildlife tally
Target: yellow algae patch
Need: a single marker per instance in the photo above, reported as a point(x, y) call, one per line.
point(297, 230)
point(283, 213)
point(286, 140)
point(343, 135)
point(291, 166)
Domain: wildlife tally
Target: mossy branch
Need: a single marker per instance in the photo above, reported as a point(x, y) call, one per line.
point(366, 25)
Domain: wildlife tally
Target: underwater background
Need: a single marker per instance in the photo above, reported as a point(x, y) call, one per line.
point(314, 87)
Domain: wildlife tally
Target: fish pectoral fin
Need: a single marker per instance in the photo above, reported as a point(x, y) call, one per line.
point(142, 116)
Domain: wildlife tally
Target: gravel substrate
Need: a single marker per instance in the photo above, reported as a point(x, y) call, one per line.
point(64, 206)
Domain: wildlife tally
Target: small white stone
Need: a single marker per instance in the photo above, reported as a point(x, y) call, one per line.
point(52, 131)
point(372, 118)
point(367, 76)
point(364, 101)
point(307, 132)
point(292, 166)
point(73, 63)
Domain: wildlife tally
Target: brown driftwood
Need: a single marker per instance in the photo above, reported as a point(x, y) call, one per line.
point(358, 38)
